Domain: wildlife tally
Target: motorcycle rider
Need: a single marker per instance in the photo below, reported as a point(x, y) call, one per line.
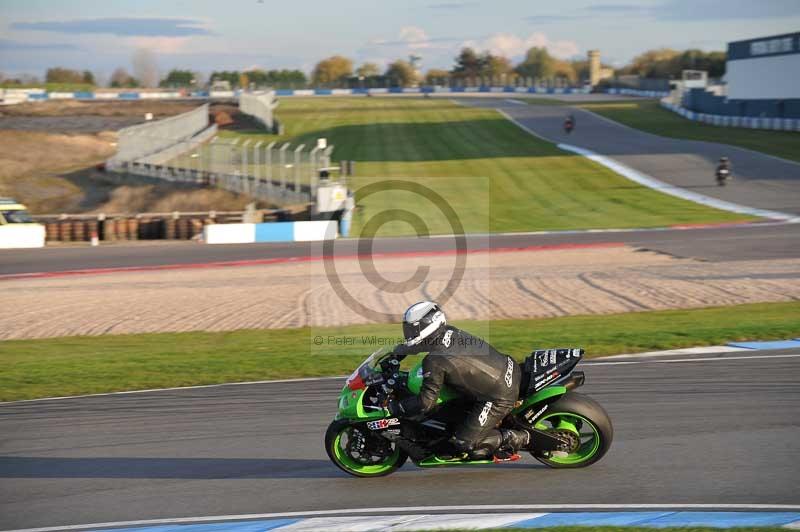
point(723, 169)
point(473, 368)
point(569, 123)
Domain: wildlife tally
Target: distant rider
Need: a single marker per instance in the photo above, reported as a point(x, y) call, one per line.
point(569, 123)
point(723, 169)
point(471, 367)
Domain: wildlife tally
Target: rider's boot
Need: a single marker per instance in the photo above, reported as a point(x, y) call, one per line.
point(513, 440)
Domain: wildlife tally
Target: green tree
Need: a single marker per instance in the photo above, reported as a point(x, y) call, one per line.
point(63, 75)
point(332, 71)
point(367, 70)
point(538, 63)
point(661, 63)
point(495, 67)
point(88, 77)
point(231, 76)
point(565, 69)
point(178, 78)
point(401, 74)
point(668, 63)
point(436, 76)
point(468, 64)
point(258, 77)
point(287, 79)
point(711, 62)
point(121, 79)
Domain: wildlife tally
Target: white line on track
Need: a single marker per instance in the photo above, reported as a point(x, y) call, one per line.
point(402, 509)
point(715, 359)
point(679, 360)
point(177, 388)
point(600, 362)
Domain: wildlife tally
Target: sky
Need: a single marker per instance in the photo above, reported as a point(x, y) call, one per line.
point(207, 35)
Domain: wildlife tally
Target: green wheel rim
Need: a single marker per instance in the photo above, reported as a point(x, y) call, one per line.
point(351, 464)
point(587, 433)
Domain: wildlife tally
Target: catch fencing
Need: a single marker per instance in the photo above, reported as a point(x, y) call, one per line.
point(279, 173)
point(185, 149)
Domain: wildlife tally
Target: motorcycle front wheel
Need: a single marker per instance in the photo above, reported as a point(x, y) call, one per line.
point(357, 451)
point(582, 422)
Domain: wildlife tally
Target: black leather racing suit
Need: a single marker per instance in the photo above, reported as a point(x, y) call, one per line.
point(476, 370)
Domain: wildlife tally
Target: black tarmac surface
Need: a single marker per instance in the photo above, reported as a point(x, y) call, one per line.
point(719, 431)
point(722, 243)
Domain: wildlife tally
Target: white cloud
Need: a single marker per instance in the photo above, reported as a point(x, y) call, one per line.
point(414, 37)
point(161, 45)
point(513, 46)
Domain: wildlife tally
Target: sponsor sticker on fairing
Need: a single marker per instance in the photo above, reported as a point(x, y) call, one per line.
point(382, 423)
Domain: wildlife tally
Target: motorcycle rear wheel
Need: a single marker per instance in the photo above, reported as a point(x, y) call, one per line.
point(338, 445)
point(582, 421)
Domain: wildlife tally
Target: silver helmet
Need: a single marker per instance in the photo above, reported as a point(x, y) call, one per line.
point(422, 320)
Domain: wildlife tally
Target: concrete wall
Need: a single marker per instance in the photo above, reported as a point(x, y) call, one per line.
point(773, 77)
point(702, 101)
point(270, 232)
point(146, 139)
point(13, 236)
point(777, 124)
point(259, 105)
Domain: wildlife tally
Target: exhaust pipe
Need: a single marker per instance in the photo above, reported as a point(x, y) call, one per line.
point(575, 380)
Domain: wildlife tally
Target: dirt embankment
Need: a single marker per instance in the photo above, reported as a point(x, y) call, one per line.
point(49, 152)
point(133, 108)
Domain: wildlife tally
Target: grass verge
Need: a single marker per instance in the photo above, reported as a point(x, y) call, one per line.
point(649, 116)
point(95, 364)
point(494, 175)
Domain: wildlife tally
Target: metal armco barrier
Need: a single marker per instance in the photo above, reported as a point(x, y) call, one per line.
point(749, 122)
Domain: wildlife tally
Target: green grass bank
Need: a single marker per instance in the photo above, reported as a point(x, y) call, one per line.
point(494, 175)
point(93, 364)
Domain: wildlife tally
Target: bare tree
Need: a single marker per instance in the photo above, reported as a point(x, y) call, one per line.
point(145, 67)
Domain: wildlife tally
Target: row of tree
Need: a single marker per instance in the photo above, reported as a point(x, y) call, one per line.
point(668, 63)
point(337, 71)
point(469, 66)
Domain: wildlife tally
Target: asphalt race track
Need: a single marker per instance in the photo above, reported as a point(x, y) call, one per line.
point(759, 180)
point(724, 430)
point(757, 241)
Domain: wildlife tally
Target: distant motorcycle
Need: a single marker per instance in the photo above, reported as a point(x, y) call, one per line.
point(569, 125)
point(723, 175)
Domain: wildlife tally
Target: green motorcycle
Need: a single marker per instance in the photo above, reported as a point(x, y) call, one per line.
point(567, 429)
